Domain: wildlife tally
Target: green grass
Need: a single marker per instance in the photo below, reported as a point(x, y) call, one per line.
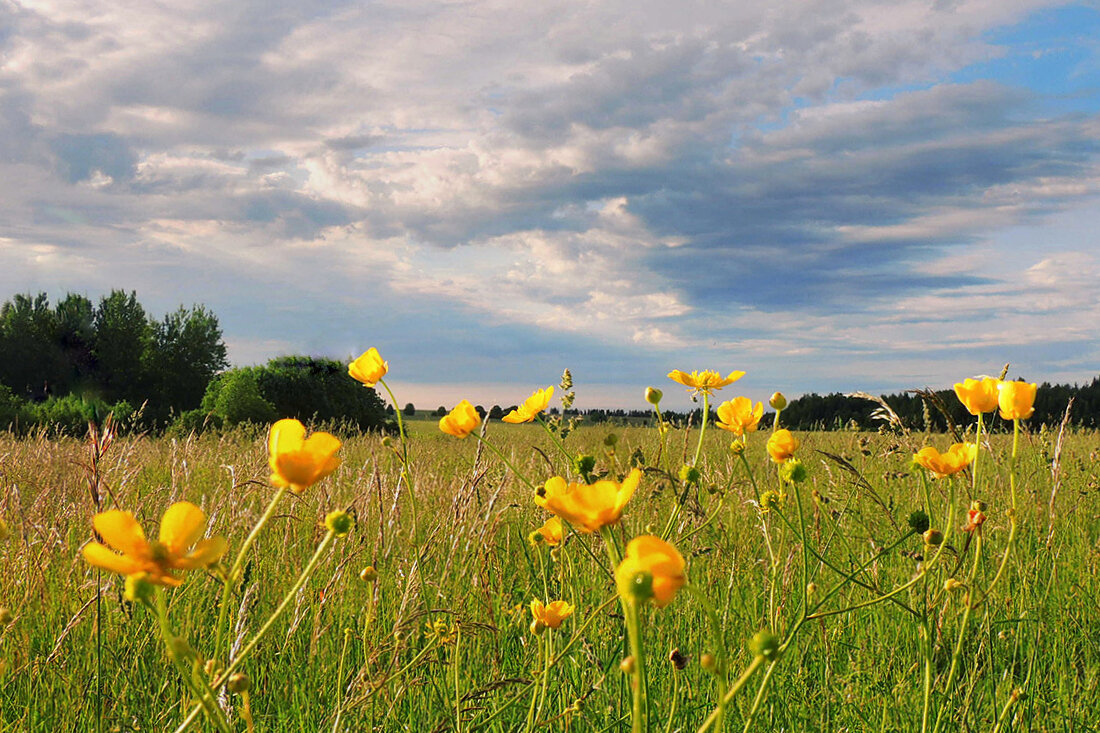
point(859, 670)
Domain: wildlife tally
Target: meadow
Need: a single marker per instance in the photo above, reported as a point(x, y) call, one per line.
point(816, 599)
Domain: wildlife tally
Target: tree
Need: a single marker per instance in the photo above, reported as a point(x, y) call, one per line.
point(184, 353)
point(440, 411)
point(496, 412)
point(33, 364)
point(410, 410)
point(122, 338)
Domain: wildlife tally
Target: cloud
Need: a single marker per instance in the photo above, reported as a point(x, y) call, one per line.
point(637, 182)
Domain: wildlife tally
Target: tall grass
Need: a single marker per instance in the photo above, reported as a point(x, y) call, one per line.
point(441, 640)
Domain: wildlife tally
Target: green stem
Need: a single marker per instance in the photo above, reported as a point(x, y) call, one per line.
point(172, 645)
point(504, 458)
point(722, 666)
point(404, 460)
point(732, 692)
point(554, 437)
point(702, 429)
point(340, 682)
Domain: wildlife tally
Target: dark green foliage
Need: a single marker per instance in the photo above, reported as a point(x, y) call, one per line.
point(70, 415)
point(496, 412)
point(302, 387)
point(194, 421)
point(234, 397)
point(410, 409)
point(107, 354)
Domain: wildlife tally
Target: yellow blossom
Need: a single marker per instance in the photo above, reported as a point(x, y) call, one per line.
point(550, 532)
point(704, 382)
point(461, 421)
point(588, 506)
point(369, 367)
point(551, 615)
point(782, 445)
point(532, 406)
point(957, 457)
point(978, 395)
point(297, 461)
point(1016, 400)
point(739, 416)
point(663, 563)
point(178, 546)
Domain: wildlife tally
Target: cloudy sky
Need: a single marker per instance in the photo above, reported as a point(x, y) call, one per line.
point(829, 195)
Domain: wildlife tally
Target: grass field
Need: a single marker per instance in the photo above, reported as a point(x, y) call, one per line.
point(441, 641)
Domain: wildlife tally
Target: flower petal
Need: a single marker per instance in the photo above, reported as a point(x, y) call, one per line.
point(182, 526)
point(206, 552)
point(121, 531)
point(99, 556)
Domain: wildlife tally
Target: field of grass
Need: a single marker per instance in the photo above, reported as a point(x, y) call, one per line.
point(442, 642)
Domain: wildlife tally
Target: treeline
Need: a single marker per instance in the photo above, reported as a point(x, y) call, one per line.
point(64, 365)
point(76, 360)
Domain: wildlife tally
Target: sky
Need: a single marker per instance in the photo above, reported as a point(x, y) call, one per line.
point(828, 195)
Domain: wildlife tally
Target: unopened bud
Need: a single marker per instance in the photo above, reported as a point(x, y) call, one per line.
point(689, 475)
point(627, 665)
point(611, 440)
point(584, 464)
point(951, 584)
point(651, 528)
point(933, 537)
point(339, 523)
point(811, 589)
point(138, 588)
point(778, 401)
point(708, 662)
point(765, 644)
point(538, 626)
point(369, 574)
point(387, 441)
point(5, 616)
point(792, 471)
point(653, 395)
point(239, 682)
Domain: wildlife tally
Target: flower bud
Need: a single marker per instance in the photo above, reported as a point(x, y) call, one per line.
point(765, 644)
point(918, 521)
point(737, 447)
point(933, 537)
point(584, 464)
point(138, 588)
point(778, 401)
point(611, 440)
point(387, 441)
point(708, 662)
point(653, 395)
point(627, 665)
point(5, 616)
point(339, 523)
point(239, 682)
point(538, 626)
point(689, 475)
point(179, 648)
point(651, 528)
point(792, 471)
point(951, 584)
point(811, 589)
point(368, 574)
point(770, 500)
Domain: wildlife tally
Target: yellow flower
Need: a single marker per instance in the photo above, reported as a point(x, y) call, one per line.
point(704, 382)
point(369, 367)
point(461, 421)
point(739, 416)
point(588, 506)
point(178, 547)
point(532, 406)
point(782, 445)
point(957, 457)
point(1016, 400)
point(550, 532)
point(663, 563)
point(551, 615)
point(296, 461)
point(978, 396)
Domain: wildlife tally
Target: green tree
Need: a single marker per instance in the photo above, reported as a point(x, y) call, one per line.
point(122, 339)
point(410, 409)
point(33, 365)
point(184, 353)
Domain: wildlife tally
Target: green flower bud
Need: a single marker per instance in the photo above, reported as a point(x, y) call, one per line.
point(737, 447)
point(792, 471)
point(239, 682)
point(765, 644)
point(139, 588)
point(919, 522)
point(584, 464)
point(368, 574)
point(778, 401)
point(611, 440)
point(339, 523)
point(933, 537)
point(653, 395)
point(387, 441)
point(708, 662)
point(627, 665)
point(689, 475)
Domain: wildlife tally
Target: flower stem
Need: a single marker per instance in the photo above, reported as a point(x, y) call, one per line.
point(504, 458)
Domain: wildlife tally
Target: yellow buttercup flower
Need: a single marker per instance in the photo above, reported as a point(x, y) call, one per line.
point(588, 506)
point(549, 616)
point(532, 406)
point(369, 367)
point(1016, 400)
point(978, 395)
point(652, 556)
point(178, 546)
point(957, 457)
point(782, 445)
point(704, 382)
point(461, 421)
point(550, 532)
point(297, 461)
point(739, 416)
